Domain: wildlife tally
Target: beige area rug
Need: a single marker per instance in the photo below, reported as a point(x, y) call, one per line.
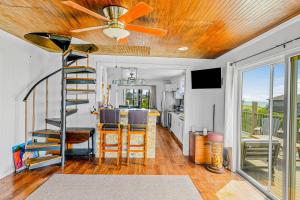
point(116, 187)
point(239, 190)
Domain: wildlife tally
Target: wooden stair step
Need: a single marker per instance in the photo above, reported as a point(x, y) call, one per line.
point(73, 91)
point(34, 163)
point(49, 133)
point(79, 69)
point(73, 56)
point(42, 146)
point(54, 121)
point(73, 134)
point(70, 80)
point(70, 111)
point(76, 101)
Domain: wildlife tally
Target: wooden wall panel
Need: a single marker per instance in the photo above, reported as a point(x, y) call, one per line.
point(208, 27)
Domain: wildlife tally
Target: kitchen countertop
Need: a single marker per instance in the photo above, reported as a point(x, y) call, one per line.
point(152, 112)
point(124, 112)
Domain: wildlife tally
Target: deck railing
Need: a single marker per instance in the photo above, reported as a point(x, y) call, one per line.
point(251, 121)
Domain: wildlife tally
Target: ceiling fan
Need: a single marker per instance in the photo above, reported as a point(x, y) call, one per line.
point(118, 19)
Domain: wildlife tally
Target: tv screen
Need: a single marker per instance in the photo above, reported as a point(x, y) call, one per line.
point(207, 78)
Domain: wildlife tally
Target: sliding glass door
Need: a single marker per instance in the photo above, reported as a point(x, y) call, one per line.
point(294, 129)
point(262, 135)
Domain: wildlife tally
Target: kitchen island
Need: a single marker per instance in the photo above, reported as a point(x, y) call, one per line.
point(135, 139)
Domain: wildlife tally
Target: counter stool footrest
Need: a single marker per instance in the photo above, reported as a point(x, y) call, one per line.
point(111, 150)
point(110, 145)
point(136, 150)
point(137, 145)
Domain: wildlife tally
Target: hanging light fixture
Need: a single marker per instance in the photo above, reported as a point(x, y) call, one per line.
point(132, 79)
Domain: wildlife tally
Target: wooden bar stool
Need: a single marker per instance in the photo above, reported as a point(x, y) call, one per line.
point(110, 124)
point(137, 124)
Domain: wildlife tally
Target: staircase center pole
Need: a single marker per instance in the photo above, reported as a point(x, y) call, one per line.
point(63, 112)
point(47, 97)
point(33, 110)
point(26, 129)
point(87, 75)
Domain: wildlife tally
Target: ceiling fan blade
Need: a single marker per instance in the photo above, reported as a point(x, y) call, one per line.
point(88, 29)
point(148, 30)
point(123, 41)
point(135, 12)
point(83, 9)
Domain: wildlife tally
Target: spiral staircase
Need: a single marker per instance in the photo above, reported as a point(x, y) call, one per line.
point(52, 144)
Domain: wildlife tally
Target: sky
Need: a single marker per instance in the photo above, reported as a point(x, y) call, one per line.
point(256, 83)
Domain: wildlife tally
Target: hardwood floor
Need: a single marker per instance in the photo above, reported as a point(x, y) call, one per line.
point(169, 161)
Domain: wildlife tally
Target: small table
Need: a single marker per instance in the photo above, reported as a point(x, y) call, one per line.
point(266, 137)
point(199, 148)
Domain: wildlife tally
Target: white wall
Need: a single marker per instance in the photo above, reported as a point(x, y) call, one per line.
point(20, 64)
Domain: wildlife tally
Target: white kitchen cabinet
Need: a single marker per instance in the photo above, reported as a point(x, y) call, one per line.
point(168, 87)
point(178, 94)
point(177, 126)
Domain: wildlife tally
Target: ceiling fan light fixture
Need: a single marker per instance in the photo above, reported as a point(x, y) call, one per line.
point(116, 33)
point(183, 49)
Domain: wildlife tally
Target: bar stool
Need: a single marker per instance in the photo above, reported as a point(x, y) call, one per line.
point(137, 124)
point(110, 124)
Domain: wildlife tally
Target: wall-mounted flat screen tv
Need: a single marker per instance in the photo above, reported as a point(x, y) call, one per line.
point(207, 78)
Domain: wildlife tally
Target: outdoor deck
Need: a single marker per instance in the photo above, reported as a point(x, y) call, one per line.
point(252, 129)
point(261, 175)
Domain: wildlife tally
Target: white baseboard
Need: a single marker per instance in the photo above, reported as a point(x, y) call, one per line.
point(7, 173)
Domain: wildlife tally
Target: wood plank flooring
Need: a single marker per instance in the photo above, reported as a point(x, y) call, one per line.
point(169, 161)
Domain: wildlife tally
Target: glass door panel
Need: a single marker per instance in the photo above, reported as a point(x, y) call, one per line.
point(145, 98)
point(295, 136)
point(255, 124)
point(137, 98)
point(278, 132)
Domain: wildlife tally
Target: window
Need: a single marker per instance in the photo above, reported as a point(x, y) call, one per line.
point(136, 98)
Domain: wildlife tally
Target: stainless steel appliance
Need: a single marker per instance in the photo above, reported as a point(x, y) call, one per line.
point(167, 105)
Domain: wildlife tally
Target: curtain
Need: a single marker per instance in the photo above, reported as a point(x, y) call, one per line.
point(231, 109)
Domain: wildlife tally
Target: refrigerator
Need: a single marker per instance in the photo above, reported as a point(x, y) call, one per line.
point(167, 105)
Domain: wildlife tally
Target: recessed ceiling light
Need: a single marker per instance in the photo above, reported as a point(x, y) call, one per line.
point(183, 49)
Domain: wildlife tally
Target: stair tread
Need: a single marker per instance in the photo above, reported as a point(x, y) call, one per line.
point(51, 131)
point(47, 132)
point(81, 66)
point(70, 111)
point(74, 55)
point(40, 145)
point(77, 100)
point(71, 80)
point(54, 119)
point(78, 78)
point(79, 69)
point(81, 91)
point(39, 160)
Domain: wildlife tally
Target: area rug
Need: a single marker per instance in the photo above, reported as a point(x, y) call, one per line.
point(116, 187)
point(237, 190)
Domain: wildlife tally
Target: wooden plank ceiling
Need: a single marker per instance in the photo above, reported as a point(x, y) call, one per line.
point(209, 28)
